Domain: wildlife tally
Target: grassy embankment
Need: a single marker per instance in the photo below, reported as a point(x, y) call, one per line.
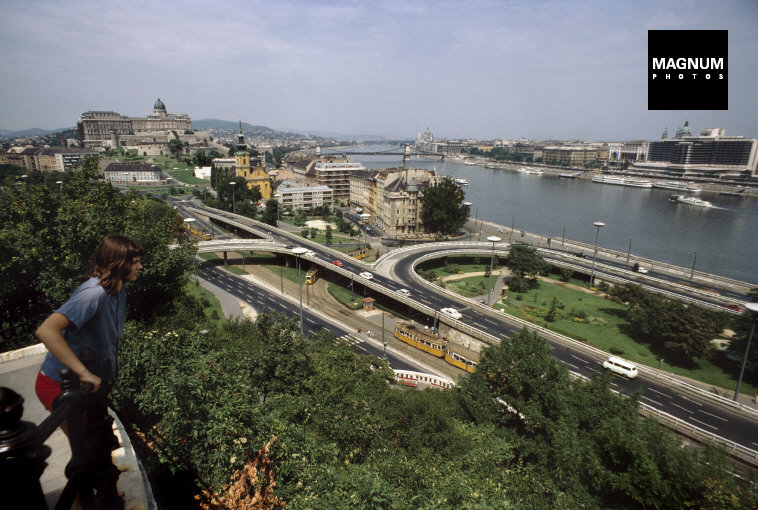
point(591, 318)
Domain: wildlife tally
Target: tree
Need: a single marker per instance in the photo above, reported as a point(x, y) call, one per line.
point(442, 209)
point(328, 235)
point(271, 213)
point(526, 264)
point(49, 232)
point(202, 158)
point(175, 146)
point(684, 332)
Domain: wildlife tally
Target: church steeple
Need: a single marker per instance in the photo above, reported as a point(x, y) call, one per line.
point(241, 139)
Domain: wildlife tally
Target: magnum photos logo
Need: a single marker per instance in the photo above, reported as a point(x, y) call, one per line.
point(687, 70)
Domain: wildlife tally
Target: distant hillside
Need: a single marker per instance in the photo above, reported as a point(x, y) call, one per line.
point(205, 124)
point(29, 132)
point(209, 124)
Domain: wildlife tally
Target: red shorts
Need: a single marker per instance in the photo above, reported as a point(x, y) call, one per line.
point(47, 389)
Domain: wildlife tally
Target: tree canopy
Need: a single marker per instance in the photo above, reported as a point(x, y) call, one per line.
point(680, 331)
point(526, 264)
point(49, 231)
point(442, 209)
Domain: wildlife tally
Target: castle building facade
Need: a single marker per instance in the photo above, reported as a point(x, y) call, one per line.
point(97, 129)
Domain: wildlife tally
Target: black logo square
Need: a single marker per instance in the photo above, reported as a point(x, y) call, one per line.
point(687, 70)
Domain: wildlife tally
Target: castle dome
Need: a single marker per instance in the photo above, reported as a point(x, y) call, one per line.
point(684, 130)
point(159, 105)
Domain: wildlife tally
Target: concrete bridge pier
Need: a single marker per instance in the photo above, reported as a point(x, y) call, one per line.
point(406, 155)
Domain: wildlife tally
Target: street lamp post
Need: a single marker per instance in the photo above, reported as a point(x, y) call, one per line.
point(476, 214)
point(188, 222)
point(234, 206)
point(753, 309)
point(298, 252)
point(278, 198)
point(60, 185)
point(694, 259)
point(599, 225)
point(493, 240)
point(384, 342)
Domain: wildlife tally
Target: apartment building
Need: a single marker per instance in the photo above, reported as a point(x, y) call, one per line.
point(390, 197)
point(298, 195)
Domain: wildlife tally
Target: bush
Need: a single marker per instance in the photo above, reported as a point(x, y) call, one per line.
point(519, 285)
point(452, 268)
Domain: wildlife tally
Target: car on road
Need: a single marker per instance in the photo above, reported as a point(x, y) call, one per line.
point(620, 366)
point(289, 247)
point(404, 292)
point(732, 306)
point(309, 253)
point(642, 270)
point(366, 275)
point(581, 255)
point(337, 263)
point(451, 312)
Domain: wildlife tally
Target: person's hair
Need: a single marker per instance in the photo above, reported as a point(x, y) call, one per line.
point(113, 259)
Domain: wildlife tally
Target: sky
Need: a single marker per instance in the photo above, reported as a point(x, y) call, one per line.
point(464, 69)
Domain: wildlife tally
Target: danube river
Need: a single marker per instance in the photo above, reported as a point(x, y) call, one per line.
point(721, 240)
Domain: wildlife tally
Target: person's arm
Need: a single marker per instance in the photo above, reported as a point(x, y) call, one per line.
point(50, 333)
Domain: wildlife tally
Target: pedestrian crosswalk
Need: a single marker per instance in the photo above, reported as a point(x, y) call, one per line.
point(349, 339)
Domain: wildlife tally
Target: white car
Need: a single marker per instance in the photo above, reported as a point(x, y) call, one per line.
point(451, 312)
point(309, 253)
point(641, 270)
point(620, 366)
point(366, 275)
point(404, 292)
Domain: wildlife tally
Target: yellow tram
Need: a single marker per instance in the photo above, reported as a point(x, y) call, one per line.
point(455, 354)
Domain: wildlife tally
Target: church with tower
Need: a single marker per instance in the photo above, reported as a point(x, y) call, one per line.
point(251, 168)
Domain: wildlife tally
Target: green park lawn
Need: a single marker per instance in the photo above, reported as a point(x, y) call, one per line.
point(602, 323)
point(187, 177)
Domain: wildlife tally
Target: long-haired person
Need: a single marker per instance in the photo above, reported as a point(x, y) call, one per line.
point(84, 334)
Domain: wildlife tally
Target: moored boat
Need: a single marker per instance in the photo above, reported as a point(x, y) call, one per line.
point(530, 171)
point(677, 186)
point(623, 181)
point(570, 175)
point(461, 182)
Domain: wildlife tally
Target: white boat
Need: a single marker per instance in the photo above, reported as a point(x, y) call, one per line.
point(461, 182)
point(570, 175)
point(677, 186)
point(690, 200)
point(530, 171)
point(469, 163)
point(490, 165)
point(623, 181)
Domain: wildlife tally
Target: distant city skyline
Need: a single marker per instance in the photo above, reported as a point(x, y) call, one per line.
point(481, 69)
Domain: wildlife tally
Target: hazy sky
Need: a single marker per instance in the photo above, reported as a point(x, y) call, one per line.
point(478, 69)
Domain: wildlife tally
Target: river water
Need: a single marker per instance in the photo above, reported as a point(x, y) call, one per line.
point(721, 240)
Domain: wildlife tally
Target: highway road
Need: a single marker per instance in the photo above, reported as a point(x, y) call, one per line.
point(264, 301)
point(691, 407)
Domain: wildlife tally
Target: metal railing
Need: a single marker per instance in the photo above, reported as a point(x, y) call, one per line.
point(90, 472)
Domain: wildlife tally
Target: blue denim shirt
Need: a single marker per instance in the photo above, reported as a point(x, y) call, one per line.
point(97, 321)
